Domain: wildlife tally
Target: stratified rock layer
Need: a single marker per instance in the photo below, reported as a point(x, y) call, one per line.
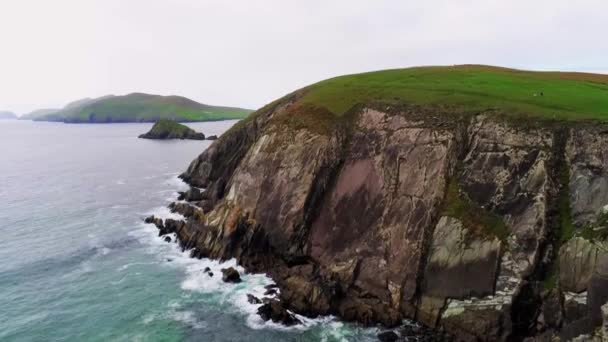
point(387, 213)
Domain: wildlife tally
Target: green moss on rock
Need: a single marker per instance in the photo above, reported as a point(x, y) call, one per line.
point(480, 222)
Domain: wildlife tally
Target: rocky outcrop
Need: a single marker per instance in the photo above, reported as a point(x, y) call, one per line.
point(230, 275)
point(462, 222)
point(276, 312)
point(168, 129)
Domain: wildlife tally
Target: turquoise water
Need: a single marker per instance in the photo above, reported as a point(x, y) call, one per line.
point(77, 262)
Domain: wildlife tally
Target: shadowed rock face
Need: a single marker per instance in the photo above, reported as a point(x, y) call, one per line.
point(359, 220)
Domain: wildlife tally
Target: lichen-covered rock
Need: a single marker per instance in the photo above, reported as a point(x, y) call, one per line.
point(578, 259)
point(587, 156)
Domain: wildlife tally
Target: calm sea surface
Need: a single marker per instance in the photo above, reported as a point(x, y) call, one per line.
point(78, 264)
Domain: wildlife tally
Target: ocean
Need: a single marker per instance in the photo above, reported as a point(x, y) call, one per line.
point(77, 263)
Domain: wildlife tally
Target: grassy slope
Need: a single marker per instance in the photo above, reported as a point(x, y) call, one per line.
point(470, 88)
point(143, 107)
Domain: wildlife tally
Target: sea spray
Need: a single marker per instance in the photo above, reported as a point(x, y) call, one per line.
point(196, 280)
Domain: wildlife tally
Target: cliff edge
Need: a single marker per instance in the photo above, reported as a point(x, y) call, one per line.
point(479, 216)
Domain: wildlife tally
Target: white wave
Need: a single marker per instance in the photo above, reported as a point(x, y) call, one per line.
point(126, 266)
point(232, 296)
point(164, 213)
point(188, 318)
point(119, 206)
point(104, 251)
point(177, 183)
point(147, 319)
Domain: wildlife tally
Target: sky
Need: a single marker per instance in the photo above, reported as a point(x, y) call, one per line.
point(247, 53)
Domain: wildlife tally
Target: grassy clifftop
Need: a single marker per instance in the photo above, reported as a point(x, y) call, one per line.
point(552, 95)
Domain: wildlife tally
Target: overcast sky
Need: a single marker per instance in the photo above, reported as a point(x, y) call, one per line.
point(247, 52)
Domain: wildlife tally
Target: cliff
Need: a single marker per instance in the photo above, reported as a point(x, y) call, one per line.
point(483, 223)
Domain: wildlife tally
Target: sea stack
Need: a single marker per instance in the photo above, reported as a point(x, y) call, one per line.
point(168, 129)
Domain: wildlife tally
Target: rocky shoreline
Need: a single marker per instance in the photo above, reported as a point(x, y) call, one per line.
point(478, 226)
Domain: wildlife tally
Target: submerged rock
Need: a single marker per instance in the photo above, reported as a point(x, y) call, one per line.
point(274, 311)
point(168, 129)
point(230, 275)
point(253, 299)
point(388, 336)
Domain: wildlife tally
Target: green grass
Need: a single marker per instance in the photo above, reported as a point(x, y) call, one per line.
point(145, 108)
point(166, 125)
point(479, 222)
point(471, 89)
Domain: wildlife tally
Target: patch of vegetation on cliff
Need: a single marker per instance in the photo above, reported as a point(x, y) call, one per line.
point(550, 95)
point(316, 119)
point(598, 230)
point(477, 220)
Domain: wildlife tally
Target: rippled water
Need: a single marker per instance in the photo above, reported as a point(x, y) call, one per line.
point(78, 264)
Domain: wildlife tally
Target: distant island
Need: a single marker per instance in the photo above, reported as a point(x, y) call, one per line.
point(136, 107)
point(169, 129)
point(38, 114)
point(5, 114)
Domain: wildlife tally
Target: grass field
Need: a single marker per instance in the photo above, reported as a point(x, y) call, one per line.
point(471, 88)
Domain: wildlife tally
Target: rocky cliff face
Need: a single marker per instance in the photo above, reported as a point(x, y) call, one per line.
point(481, 227)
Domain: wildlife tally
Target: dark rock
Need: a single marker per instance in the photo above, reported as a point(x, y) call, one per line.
point(167, 239)
point(158, 222)
point(182, 208)
point(271, 286)
point(210, 274)
point(194, 195)
point(212, 137)
point(230, 275)
point(270, 292)
point(205, 205)
point(168, 129)
point(274, 311)
point(207, 269)
point(388, 336)
point(253, 299)
point(171, 226)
